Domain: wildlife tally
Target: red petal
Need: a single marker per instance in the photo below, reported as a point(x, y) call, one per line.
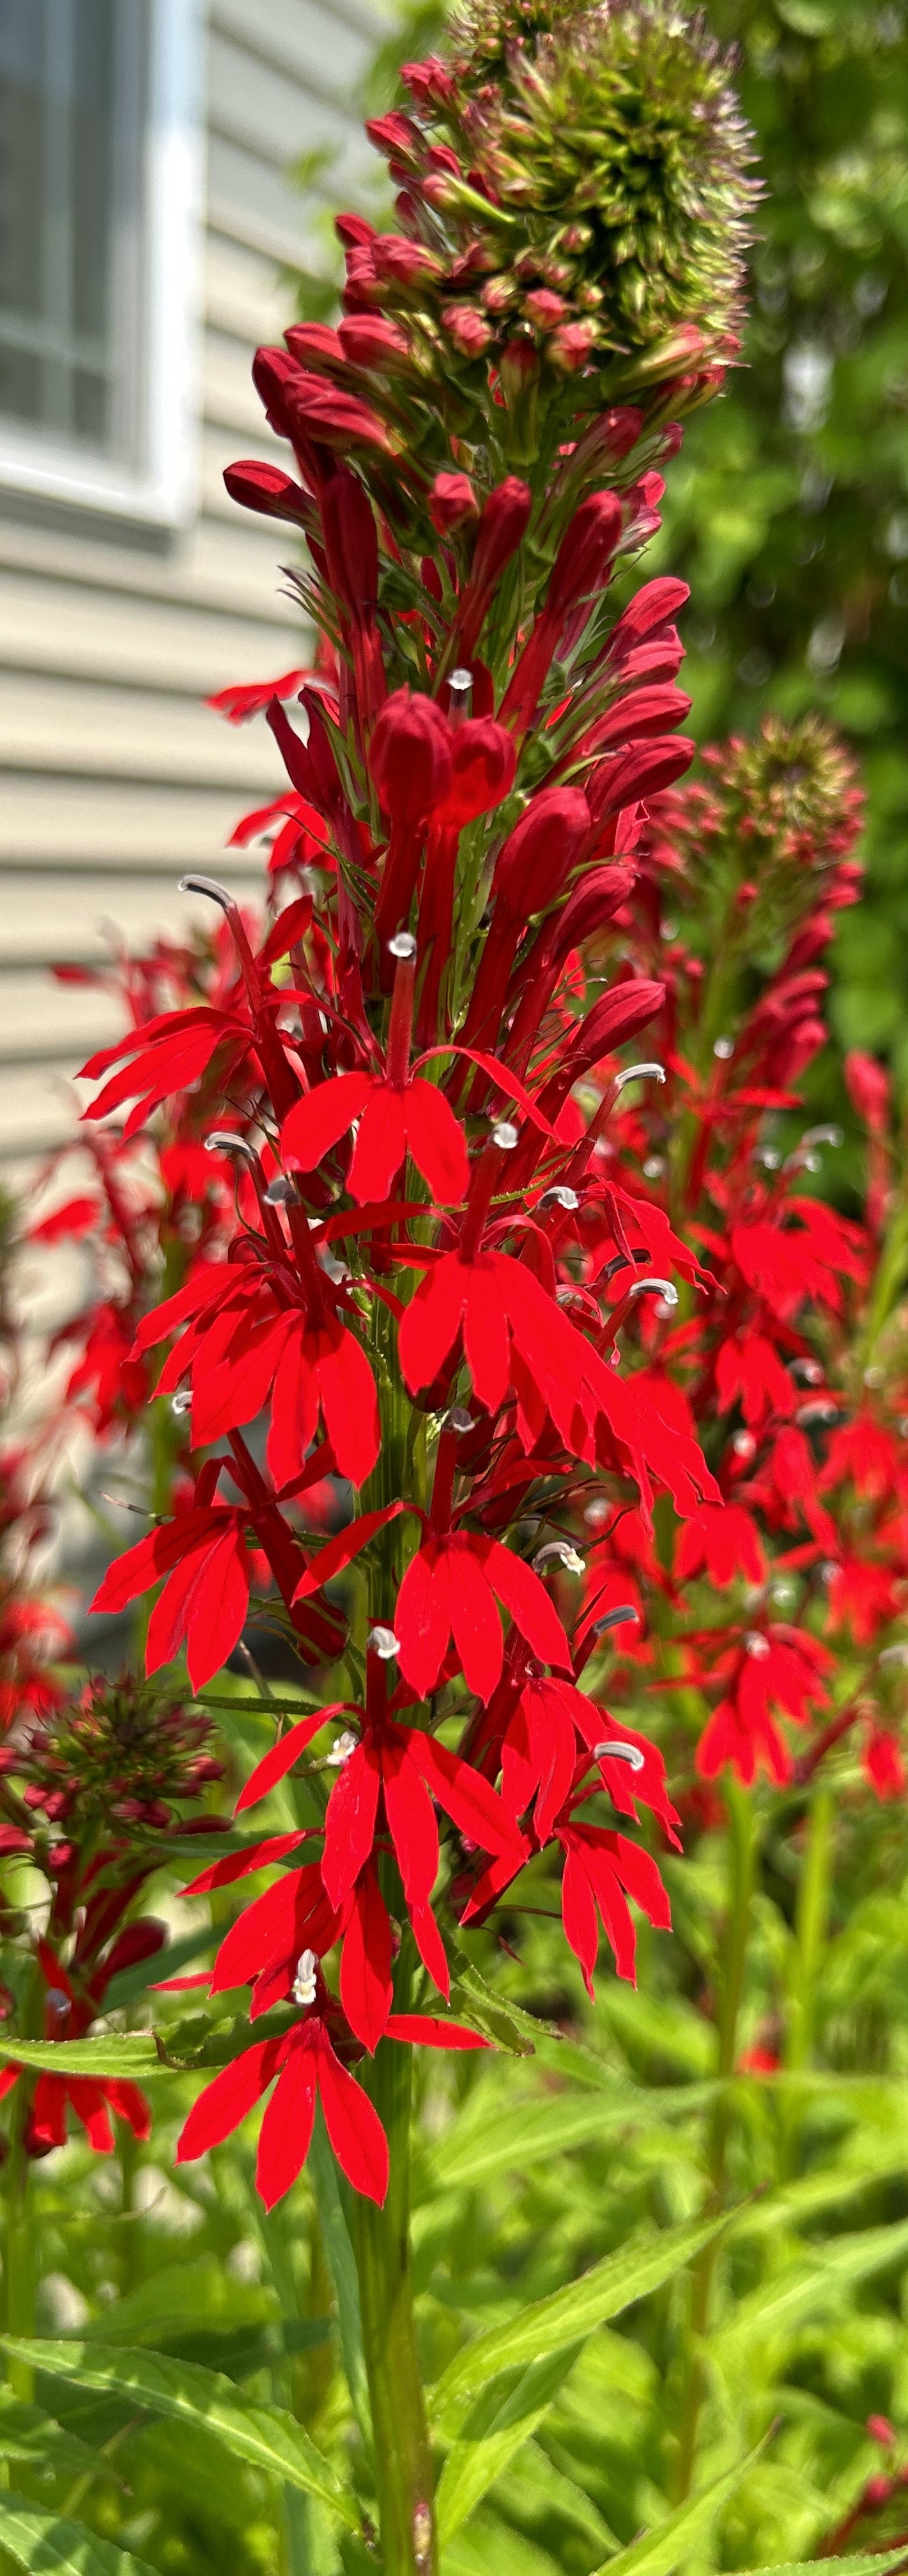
point(578, 1910)
point(528, 1602)
point(130, 2105)
point(236, 1865)
point(286, 2129)
point(423, 2030)
point(436, 1142)
point(431, 1947)
point(350, 1408)
point(317, 1122)
point(474, 1618)
point(226, 2102)
point(273, 1766)
point(205, 1601)
point(90, 2107)
point(467, 1798)
point(350, 1823)
point(411, 1819)
point(353, 2126)
point(486, 1339)
point(431, 1322)
point(366, 1987)
point(294, 1406)
point(422, 1618)
point(380, 1145)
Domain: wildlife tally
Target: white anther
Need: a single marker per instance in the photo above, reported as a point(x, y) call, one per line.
point(663, 1288)
point(893, 1655)
point(560, 1196)
point(756, 1645)
point(460, 681)
point(223, 1141)
point(402, 945)
point(303, 1987)
point(874, 1375)
point(783, 1590)
point(654, 1167)
point(723, 1048)
point(341, 1750)
point(612, 1751)
point(384, 1644)
point(808, 1370)
point(208, 885)
point(505, 1135)
point(817, 1409)
point(744, 1444)
point(651, 1072)
point(459, 1419)
point(828, 1570)
point(282, 1191)
point(770, 1159)
point(559, 1551)
point(614, 1619)
point(182, 1401)
point(596, 1514)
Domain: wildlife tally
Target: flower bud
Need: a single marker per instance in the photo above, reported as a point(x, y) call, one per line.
point(410, 757)
point(540, 852)
point(452, 501)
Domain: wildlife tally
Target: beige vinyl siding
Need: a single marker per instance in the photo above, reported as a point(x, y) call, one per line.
point(115, 779)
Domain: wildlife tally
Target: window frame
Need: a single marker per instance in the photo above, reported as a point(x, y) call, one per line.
point(160, 492)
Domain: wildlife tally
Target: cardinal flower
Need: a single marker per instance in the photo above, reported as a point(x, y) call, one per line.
point(397, 1111)
point(451, 1589)
point(67, 2015)
point(251, 1334)
point(306, 2065)
point(601, 1870)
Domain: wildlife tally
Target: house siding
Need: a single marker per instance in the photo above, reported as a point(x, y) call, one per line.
point(115, 777)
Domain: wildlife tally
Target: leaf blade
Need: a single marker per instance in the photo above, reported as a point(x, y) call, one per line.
point(188, 2393)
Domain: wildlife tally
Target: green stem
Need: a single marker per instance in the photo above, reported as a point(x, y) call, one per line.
point(811, 1919)
point(742, 1857)
point(403, 2463)
point(19, 2249)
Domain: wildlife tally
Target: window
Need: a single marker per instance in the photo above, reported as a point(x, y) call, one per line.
point(98, 187)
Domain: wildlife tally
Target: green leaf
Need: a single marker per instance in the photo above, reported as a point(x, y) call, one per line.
point(26, 2433)
point(783, 2302)
point(132, 2054)
point(534, 2130)
point(48, 2544)
point(502, 2420)
point(342, 2266)
point(877, 2566)
point(569, 2315)
point(266, 2436)
point(472, 2001)
point(659, 2552)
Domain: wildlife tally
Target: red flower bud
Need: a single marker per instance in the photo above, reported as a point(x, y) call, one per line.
point(570, 346)
point(468, 329)
point(653, 605)
point(410, 757)
point(430, 83)
point(483, 761)
point(619, 1015)
point(314, 344)
point(540, 852)
point(452, 500)
point(265, 488)
point(867, 1085)
point(351, 544)
point(584, 555)
point(370, 340)
point(544, 308)
point(503, 523)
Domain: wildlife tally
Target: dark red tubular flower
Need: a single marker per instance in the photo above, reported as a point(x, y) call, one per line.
point(410, 765)
point(503, 524)
point(531, 871)
point(581, 570)
point(351, 553)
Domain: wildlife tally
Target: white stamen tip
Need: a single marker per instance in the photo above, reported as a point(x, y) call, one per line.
point(614, 1619)
point(756, 1645)
point(384, 1644)
point(182, 1401)
point(559, 1551)
point(303, 1987)
point(662, 1288)
point(560, 1196)
point(724, 1047)
point(615, 1752)
point(651, 1072)
point(459, 1419)
point(402, 945)
point(341, 1749)
point(505, 1135)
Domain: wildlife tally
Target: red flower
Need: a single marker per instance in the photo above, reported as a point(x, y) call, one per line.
point(450, 1590)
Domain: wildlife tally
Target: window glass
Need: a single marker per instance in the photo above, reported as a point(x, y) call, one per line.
point(70, 217)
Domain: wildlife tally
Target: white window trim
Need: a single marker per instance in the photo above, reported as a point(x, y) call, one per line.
point(164, 494)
